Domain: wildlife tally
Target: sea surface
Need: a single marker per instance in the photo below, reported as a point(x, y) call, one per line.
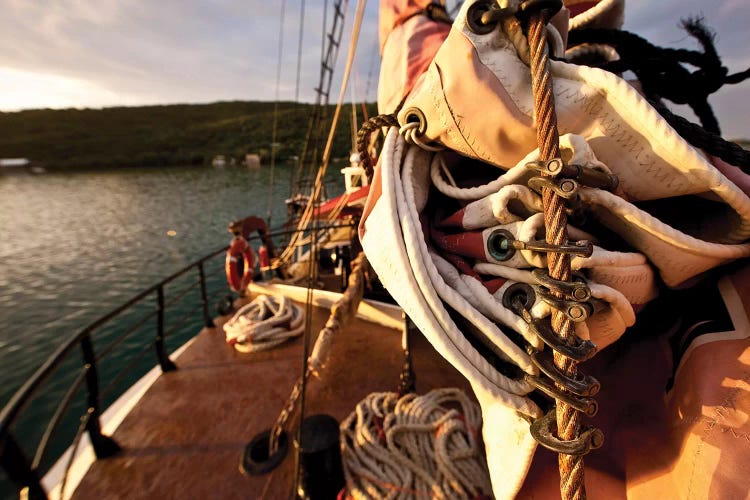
point(73, 246)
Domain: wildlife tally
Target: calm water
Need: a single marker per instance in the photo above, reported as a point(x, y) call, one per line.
point(74, 246)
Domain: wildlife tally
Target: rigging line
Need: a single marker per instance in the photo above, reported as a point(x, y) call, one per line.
point(347, 71)
point(354, 115)
point(274, 128)
point(318, 185)
point(299, 47)
point(313, 235)
point(312, 278)
point(362, 102)
point(371, 69)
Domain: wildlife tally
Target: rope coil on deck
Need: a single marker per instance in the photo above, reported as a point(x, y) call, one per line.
point(264, 323)
point(414, 446)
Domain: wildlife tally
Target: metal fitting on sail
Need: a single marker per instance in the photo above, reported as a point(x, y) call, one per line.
point(584, 404)
point(518, 298)
point(576, 311)
point(576, 290)
point(543, 431)
point(590, 177)
point(582, 385)
point(501, 245)
point(483, 16)
point(564, 188)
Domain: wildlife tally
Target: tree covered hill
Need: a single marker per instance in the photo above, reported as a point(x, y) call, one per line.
point(161, 135)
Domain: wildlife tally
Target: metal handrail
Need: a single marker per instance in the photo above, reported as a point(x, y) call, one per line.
point(15, 404)
point(24, 472)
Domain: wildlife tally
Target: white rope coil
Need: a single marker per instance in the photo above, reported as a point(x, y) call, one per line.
point(264, 323)
point(414, 446)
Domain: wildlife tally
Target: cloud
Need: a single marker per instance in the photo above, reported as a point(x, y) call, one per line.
point(110, 52)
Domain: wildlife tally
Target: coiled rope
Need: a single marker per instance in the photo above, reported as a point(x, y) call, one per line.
point(414, 446)
point(264, 323)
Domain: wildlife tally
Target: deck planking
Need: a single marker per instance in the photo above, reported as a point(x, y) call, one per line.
point(185, 437)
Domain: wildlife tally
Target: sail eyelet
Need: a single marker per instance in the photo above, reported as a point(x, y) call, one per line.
point(500, 244)
point(415, 115)
point(474, 18)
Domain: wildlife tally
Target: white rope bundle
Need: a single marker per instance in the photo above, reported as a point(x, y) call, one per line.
point(264, 323)
point(414, 446)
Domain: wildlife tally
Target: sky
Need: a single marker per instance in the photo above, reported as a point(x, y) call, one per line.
point(95, 53)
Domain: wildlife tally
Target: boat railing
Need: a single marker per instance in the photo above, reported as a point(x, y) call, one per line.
point(27, 473)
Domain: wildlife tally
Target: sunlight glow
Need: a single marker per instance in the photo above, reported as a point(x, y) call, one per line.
point(24, 89)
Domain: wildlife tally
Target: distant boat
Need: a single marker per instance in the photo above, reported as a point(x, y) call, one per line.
point(252, 160)
point(219, 161)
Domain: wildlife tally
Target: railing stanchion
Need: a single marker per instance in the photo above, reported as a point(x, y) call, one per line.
point(104, 446)
point(204, 297)
point(13, 461)
point(166, 364)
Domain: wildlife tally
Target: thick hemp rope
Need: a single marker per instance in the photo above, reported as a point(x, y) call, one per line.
point(414, 446)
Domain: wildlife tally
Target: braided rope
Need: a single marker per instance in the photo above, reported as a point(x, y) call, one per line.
point(363, 138)
point(555, 221)
point(426, 446)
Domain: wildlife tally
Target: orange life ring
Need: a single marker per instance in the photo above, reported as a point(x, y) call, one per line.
point(239, 249)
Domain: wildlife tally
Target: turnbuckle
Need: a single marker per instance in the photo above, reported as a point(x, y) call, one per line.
point(502, 245)
point(543, 431)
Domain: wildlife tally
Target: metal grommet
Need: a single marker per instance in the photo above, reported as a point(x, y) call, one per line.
point(474, 18)
point(499, 244)
point(520, 291)
point(415, 115)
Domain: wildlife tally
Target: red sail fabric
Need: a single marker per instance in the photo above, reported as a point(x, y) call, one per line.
point(408, 43)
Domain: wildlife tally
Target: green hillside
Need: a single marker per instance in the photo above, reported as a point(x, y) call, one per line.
point(159, 135)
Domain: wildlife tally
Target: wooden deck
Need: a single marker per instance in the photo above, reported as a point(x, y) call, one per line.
point(184, 439)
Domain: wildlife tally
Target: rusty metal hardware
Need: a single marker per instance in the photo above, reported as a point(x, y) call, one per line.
point(502, 245)
point(575, 348)
point(576, 290)
point(553, 167)
point(584, 404)
point(581, 385)
point(542, 430)
point(564, 188)
point(517, 300)
point(575, 310)
point(482, 17)
point(590, 177)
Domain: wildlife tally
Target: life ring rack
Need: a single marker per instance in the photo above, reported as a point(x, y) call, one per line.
point(239, 251)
